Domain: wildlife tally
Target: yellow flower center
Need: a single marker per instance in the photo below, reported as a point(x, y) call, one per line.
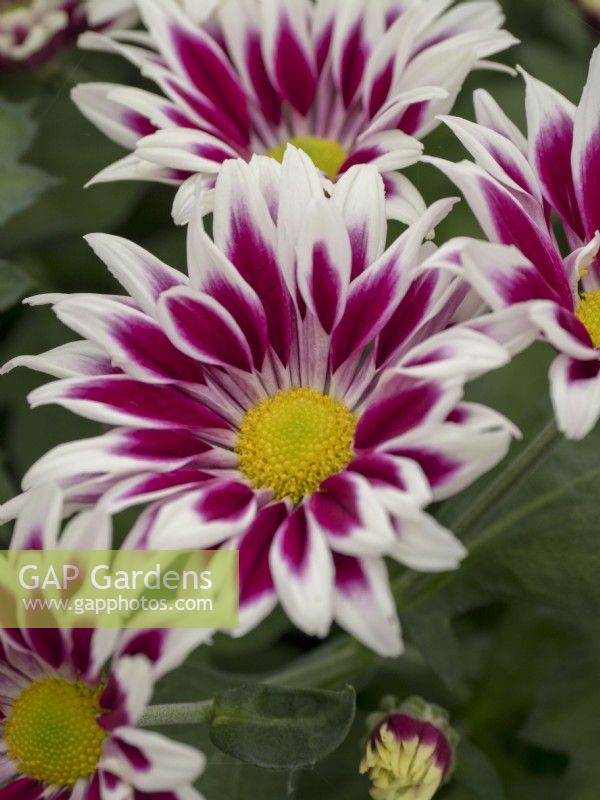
point(588, 312)
point(52, 732)
point(326, 154)
point(291, 442)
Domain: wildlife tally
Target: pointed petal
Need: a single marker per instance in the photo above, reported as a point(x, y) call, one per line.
point(142, 275)
point(564, 331)
point(324, 263)
point(586, 150)
point(205, 517)
point(348, 511)
point(257, 590)
point(134, 341)
point(153, 763)
point(38, 524)
point(550, 129)
point(426, 546)
point(364, 606)
point(287, 52)
point(359, 195)
point(119, 400)
point(202, 328)
point(399, 405)
point(245, 232)
point(302, 569)
point(575, 390)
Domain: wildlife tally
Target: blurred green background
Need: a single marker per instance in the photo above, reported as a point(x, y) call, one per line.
point(511, 643)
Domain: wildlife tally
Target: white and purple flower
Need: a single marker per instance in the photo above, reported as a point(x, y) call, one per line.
point(297, 396)
point(68, 720)
point(516, 188)
point(33, 31)
point(359, 81)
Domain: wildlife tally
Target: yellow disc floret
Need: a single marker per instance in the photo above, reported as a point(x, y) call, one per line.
point(52, 733)
point(291, 442)
point(588, 312)
point(326, 154)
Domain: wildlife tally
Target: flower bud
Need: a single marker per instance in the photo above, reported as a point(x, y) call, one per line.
point(591, 10)
point(410, 750)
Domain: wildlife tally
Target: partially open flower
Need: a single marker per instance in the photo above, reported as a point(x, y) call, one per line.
point(410, 752)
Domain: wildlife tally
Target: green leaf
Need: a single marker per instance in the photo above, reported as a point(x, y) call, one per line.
point(565, 717)
point(14, 284)
point(17, 130)
point(20, 184)
point(275, 727)
point(475, 774)
point(435, 640)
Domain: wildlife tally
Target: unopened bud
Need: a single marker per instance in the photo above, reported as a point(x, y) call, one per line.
point(410, 751)
point(591, 10)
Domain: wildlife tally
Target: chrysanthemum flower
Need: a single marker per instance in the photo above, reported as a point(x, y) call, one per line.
point(32, 31)
point(348, 82)
point(410, 752)
point(67, 718)
point(290, 397)
point(514, 189)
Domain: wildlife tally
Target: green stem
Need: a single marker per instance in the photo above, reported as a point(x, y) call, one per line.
point(333, 664)
point(341, 661)
point(507, 479)
point(177, 714)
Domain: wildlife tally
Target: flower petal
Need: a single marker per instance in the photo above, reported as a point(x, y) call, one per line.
point(302, 569)
point(127, 692)
point(213, 273)
point(364, 606)
point(324, 263)
point(38, 524)
point(575, 390)
point(373, 296)
point(359, 195)
point(203, 329)
point(550, 129)
point(426, 546)
point(204, 517)
point(586, 150)
point(244, 231)
point(402, 404)
point(119, 400)
point(349, 513)
point(563, 330)
point(194, 54)
point(153, 763)
point(287, 53)
point(143, 276)
point(134, 341)
point(257, 590)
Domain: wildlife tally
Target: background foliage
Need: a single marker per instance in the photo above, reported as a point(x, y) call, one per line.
point(510, 644)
